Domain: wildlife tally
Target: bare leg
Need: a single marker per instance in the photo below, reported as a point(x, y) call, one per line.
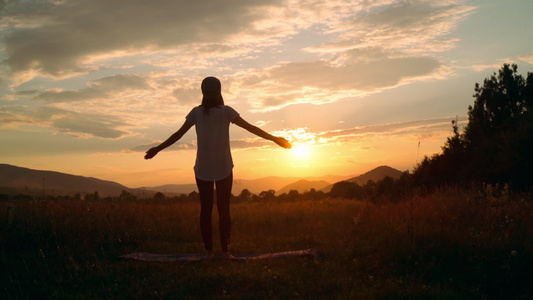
point(205, 189)
point(223, 188)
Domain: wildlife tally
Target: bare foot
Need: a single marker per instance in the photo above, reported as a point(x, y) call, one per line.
point(226, 255)
point(209, 255)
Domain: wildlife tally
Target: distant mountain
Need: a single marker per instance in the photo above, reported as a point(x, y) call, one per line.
point(275, 183)
point(256, 186)
point(174, 189)
point(18, 180)
point(374, 175)
point(304, 185)
point(285, 184)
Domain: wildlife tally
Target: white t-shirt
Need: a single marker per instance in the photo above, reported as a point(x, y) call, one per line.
point(213, 157)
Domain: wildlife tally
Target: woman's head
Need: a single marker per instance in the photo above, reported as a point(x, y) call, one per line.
point(212, 93)
point(211, 85)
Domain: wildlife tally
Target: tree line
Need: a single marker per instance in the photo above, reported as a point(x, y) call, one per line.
point(496, 145)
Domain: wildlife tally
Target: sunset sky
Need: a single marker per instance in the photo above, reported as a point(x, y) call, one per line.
point(87, 86)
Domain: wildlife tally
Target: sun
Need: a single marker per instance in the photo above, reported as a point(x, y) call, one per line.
point(300, 150)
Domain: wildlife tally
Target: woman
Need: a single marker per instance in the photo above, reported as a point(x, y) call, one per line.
point(214, 165)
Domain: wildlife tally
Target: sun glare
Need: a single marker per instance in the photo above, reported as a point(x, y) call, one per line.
point(300, 150)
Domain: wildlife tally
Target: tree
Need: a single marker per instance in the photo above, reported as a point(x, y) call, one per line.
point(313, 194)
point(194, 196)
point(498, 131)
point(159, 196)
point(293, 195)
point(92, 197)
point(245, 195)
point(127, 196)
point(346, 189)
point(496, 144)
point(267, 195)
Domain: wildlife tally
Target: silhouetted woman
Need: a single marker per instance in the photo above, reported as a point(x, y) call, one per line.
point(214, 165)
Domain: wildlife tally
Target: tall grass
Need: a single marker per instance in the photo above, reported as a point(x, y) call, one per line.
point(450, 244)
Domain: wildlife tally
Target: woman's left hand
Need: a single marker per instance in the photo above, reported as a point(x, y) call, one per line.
point(151, 153)
point(282, 142)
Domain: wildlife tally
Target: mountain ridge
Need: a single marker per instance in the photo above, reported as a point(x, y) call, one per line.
point(375, 175)
point(303, 185)
point(20, 180)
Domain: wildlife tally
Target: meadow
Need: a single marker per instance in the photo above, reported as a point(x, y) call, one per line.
point(450, 244)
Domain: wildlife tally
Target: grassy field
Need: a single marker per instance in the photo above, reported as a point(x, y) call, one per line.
point(448, 245)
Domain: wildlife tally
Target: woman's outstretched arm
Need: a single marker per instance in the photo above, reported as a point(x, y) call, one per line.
point(171, 140)
point(261, 133)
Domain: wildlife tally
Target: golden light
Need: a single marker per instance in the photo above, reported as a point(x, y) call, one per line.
point(300, 150)
point(301, 141)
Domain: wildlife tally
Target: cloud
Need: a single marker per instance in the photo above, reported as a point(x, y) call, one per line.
point(236, 144)
point(528, 57)
point(254, 142)
point(62, 38)
point(99, 89)
point(12, 115)
point(68, 34)
point(251, 143)
point(57, 95)
point(121, 82)
point(175, 147)
point(418, 127)
point(27, 92)
point(81, 124)
point(357, 48)
point(187, 94)
point(423, 129)
point(135, 100)
point(322, 82)
point(409, 26)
